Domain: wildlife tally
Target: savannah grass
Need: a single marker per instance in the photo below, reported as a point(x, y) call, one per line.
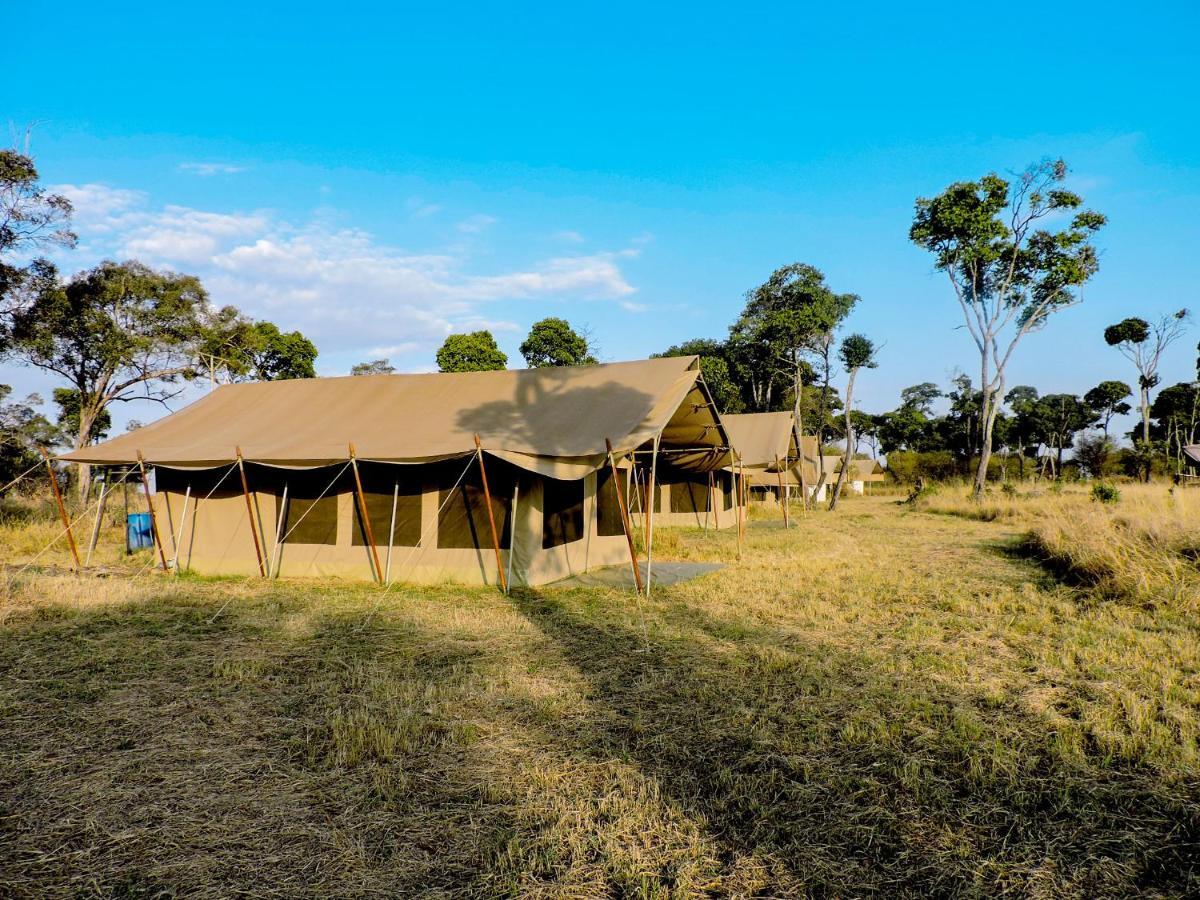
point(894, 699)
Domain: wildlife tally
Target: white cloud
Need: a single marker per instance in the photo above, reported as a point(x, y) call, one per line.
point(343, 287)
point(477, 223)
point(568, 237)
point(208, 169)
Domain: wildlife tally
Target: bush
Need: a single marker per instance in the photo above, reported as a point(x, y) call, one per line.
point(1103, 492)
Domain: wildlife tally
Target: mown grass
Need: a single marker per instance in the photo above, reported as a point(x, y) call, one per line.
point(879, 701)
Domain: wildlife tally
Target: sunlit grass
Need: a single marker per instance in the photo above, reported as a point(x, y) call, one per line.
point(891, 699)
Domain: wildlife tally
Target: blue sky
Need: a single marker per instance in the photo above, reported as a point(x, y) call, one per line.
point(382, 176)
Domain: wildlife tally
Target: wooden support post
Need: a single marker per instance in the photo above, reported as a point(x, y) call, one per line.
point(512, 528)
point(262, 571)
point(176, 539)
point(366, 519)
point(740, 498)
point(487, 498)
point(626, 524)
point(387, 566)
point(281, 515)
point(62, 507)
point(162, 554)
point(650, 521)
point(95, 538)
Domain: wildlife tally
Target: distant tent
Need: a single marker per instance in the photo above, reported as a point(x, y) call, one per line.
point(542, 432)
point(768, 447)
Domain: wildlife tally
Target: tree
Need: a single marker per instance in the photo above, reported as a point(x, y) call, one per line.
point(553, 342)
point(910, 426)
point(920, 397)
point(856, 353)
point(1009, 276)
point(67, 401)
point(1023, 431)
point(241, 349)
point(30, 219)
point(374, 367)
point(1059, 417)
point(116, 333)
point(1143, 345)
point(1092, 452)
point(472, 352)
point(1176, 415)
point(1107, 399)
point(22, 431)
point(714, 366)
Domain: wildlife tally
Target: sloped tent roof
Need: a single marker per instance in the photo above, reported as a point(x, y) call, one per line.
point(1193, 453)
point(860, 469)
point(553, 421)
point(763, 440)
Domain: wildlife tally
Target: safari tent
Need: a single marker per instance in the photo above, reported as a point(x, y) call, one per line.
point(767, 446)
point(861, 473)
point(390, 476)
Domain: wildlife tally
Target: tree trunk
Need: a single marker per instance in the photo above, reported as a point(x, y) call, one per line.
point(798, 394)
point(83, 484)
point(1147, 464)
point(988, 417)
point(846, 457)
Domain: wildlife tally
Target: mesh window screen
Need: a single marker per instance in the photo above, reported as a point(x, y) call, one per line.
point(608, 509)
point(311, 521)
point(379, 488)
point(463, 520)
point(689, 496)
point(562, 512)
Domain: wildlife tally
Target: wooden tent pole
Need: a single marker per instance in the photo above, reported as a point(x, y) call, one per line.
point(362, 511)
point(387, 566)
point(281, 515)
point(741, 505)
point(650, 524)
point(175, 541)
point(487, 497)
point(162, 554)
point(258, 554)
point(512, 528)
point(626, 524)
point(62, 507)
point(95, 538)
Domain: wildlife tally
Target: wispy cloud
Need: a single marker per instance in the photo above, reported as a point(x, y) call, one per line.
point(568, 237)
point(342, 286)
point(208, 169)
point(476, 223)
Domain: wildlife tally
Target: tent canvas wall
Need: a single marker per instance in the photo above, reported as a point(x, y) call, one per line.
point(543, 435)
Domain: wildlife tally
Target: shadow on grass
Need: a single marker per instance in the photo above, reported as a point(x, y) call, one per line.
point(844, 777)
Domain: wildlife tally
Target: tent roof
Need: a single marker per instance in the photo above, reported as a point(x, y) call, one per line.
point(1193, 453)
point(762, 440)
point(549, 420)
point(860, 469)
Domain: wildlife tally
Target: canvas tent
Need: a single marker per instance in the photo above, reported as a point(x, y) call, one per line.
point(542, 434)
point(861, 472)
point(767, 446)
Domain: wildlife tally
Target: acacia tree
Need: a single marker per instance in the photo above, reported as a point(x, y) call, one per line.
point(116, 333)
point(714, 366)
point(856, 353)
point(1009, 275)
point(1143, 345)
point(475, 351)
point(553, 342)
point(1061, 417)
point(30, 219)
point(374, 367)
point(1107, 399)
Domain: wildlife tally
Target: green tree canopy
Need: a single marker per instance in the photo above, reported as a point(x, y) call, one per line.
point(22, 431)
point(67, 401)
point(1107, 399)
point(256, 351)
point(714, 366)
point(1008, 274)
point(553, 342)
point(473, 352)
point(374, 367)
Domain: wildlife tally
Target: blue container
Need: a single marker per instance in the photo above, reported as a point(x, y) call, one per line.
point(138, 532)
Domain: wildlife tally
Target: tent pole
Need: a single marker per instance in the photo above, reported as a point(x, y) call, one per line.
point(273, 569)
point(99, 517)
point(362, 511)
point(249, 516)
point(650, 517)
point(387, 570)
point(62, 509)
point(512, 531)
point(626, 525)
point(718, 500)
point(487, 496)
point(708, 508)
point(162, 555)
point(175, 539)
point(741, 503)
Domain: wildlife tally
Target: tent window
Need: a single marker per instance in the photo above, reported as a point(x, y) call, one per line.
point(562, 512)
point(311, 521)
point(608, 508)
point(688, 497)
point(463, 520)
point(379, 508)
point(726, 488)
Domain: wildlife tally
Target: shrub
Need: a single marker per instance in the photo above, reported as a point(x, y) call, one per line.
point(1103, 492)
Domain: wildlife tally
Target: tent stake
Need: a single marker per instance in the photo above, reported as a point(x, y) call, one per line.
point(626, 524)
point(162, 554)
point(249, 516)
point(99, 517)
point(487, 497)
point(362, 511)
point(62, 508)
point(650, 515)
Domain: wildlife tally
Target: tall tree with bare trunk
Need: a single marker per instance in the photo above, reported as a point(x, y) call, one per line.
point(1008, 272)
point(856, 353)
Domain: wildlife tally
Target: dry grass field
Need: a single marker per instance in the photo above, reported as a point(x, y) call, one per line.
point(907, 700)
